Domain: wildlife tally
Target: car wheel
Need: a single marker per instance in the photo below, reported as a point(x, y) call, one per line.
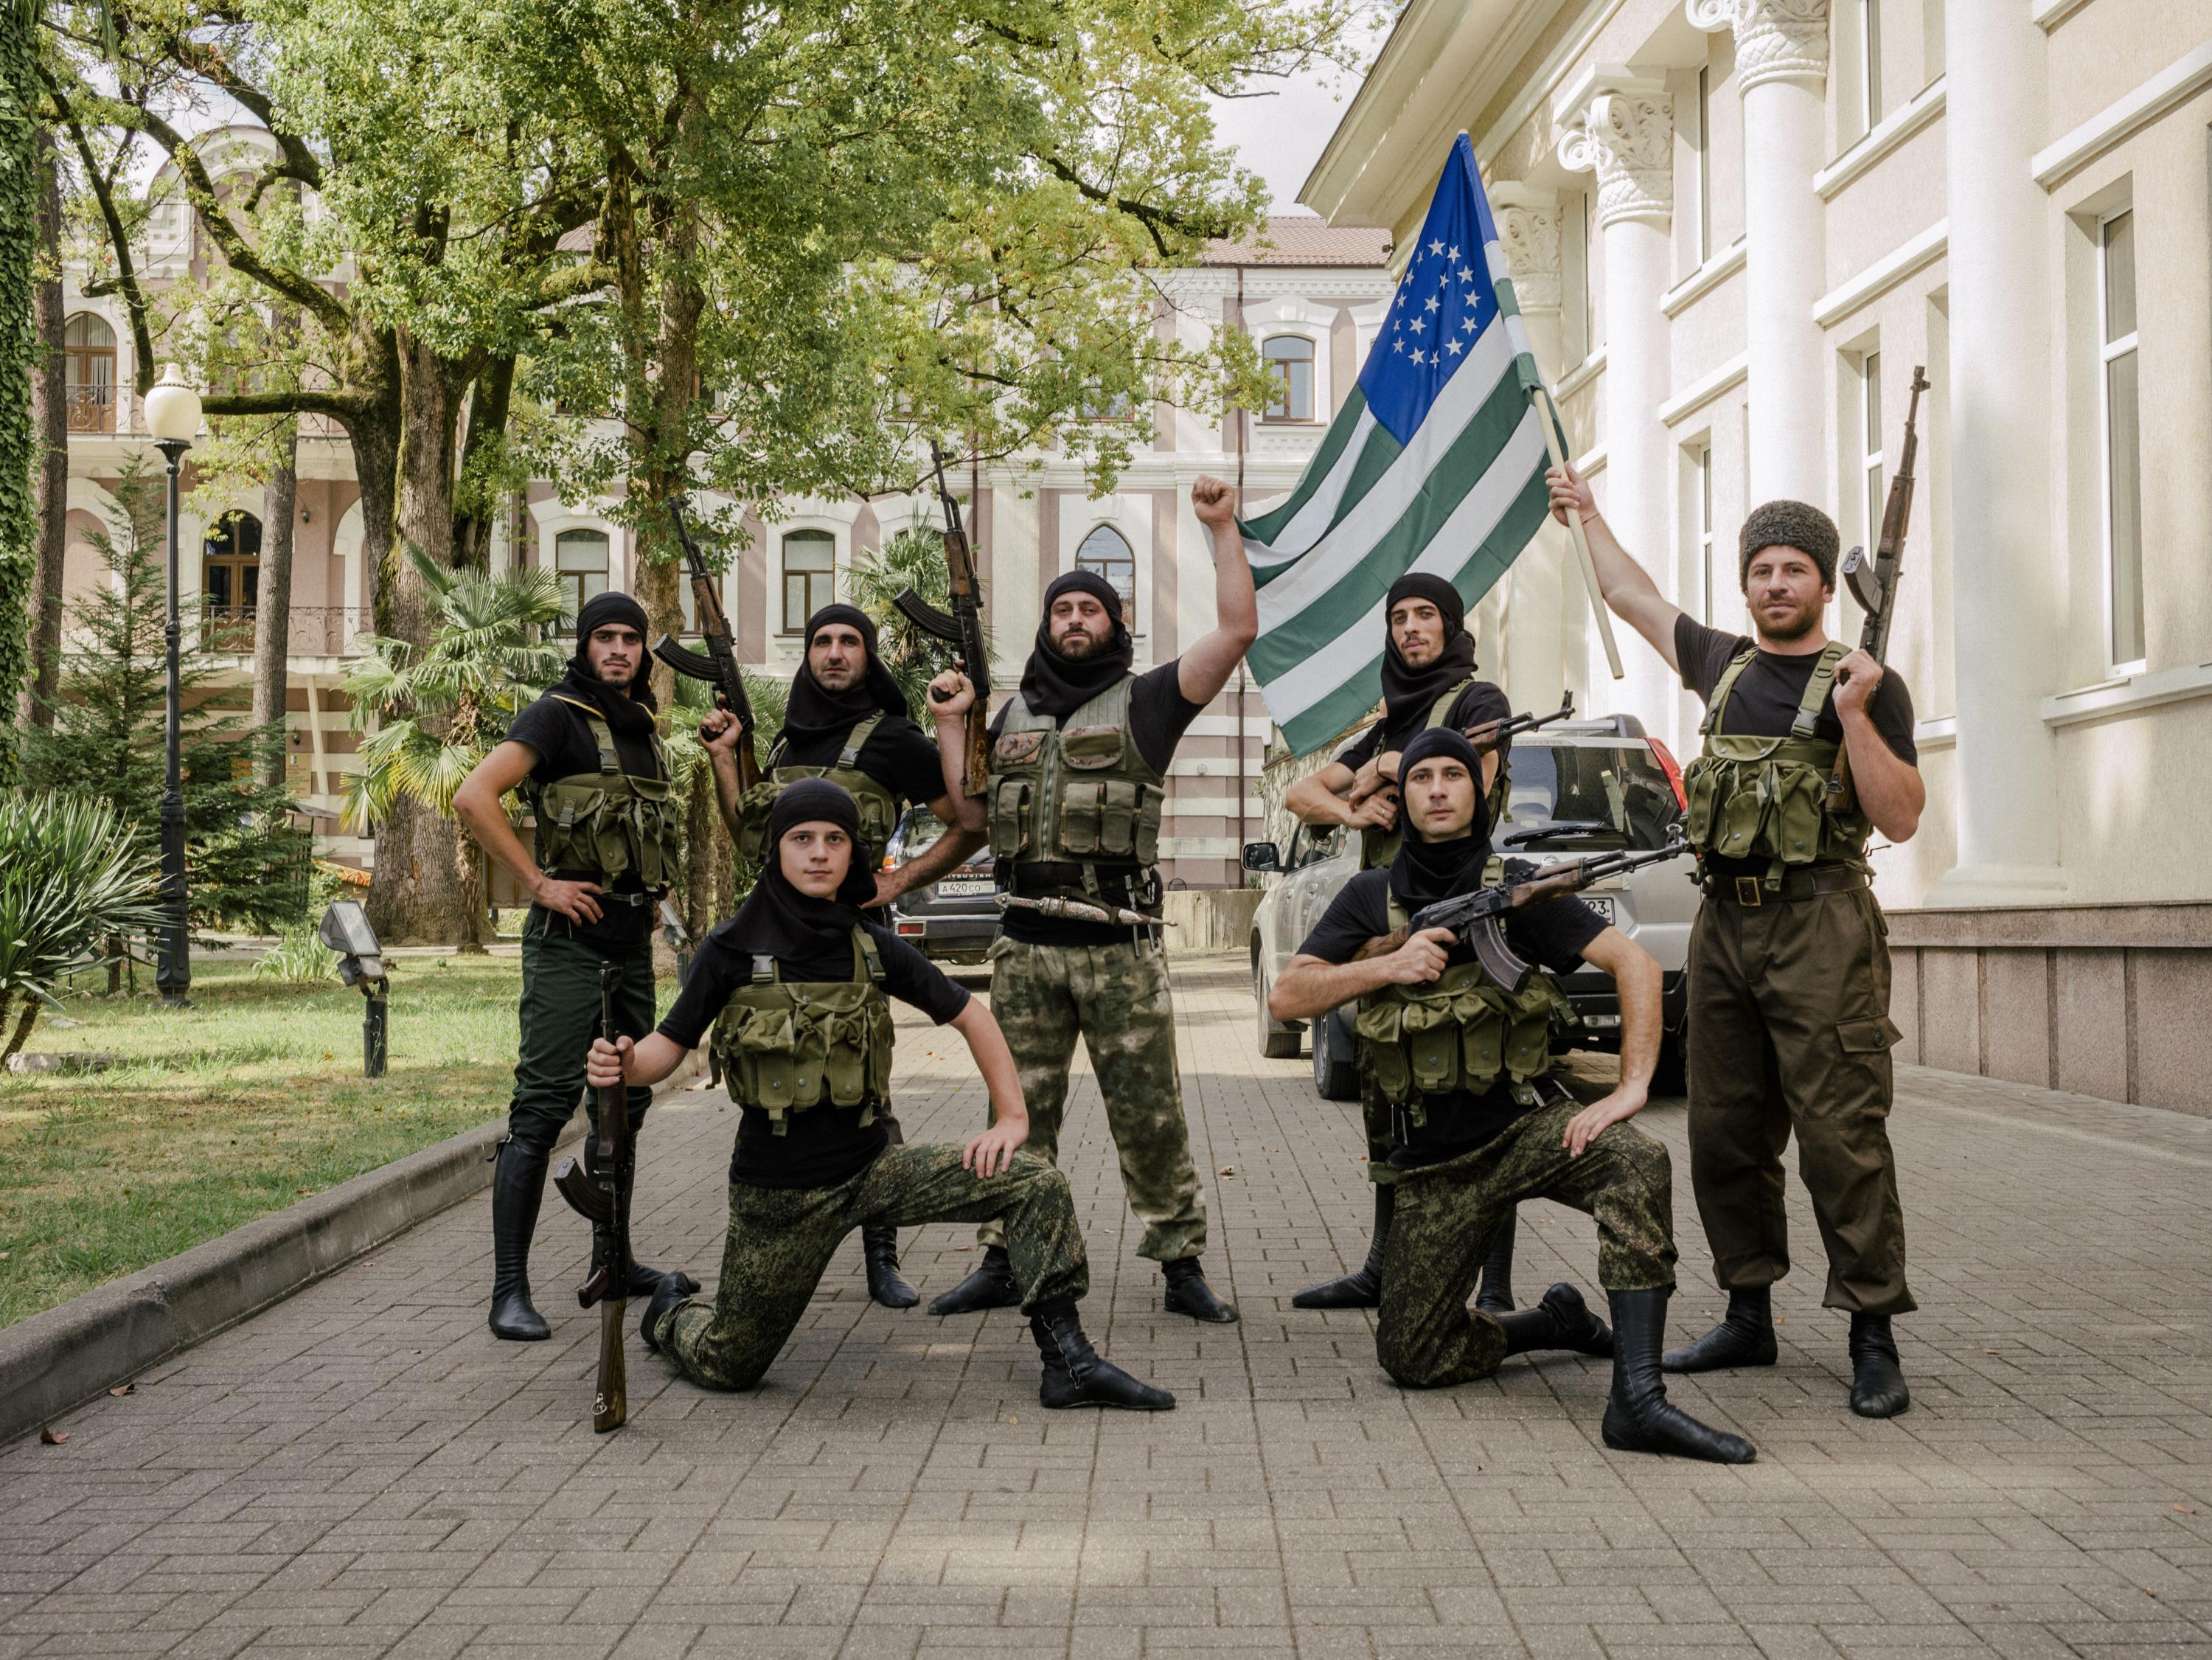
point(1277, 1041)
point(1672, 1075)
point(1335, 1058)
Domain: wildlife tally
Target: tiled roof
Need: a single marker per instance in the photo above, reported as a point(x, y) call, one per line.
point(580, 241)
point(1305, 239)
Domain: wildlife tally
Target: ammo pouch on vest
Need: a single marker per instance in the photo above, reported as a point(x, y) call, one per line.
point(787, 1048)
point(1754, 798)
point(878, 807)
point(1378, 847)
point(607, 822)
point(1079, 795)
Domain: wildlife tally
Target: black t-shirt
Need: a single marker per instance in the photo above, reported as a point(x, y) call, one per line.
point(1763, 703)
point(822, 1146)
point(898, 755)
point(566, 746)
point(1478, 702)
point(1553, 935)
point(1159, 714)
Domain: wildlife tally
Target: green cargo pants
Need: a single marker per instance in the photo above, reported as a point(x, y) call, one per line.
point(1447, 1215)
point(1790, 1031)
point(781, 1240)
point(559, 1019)
point(1115, 997)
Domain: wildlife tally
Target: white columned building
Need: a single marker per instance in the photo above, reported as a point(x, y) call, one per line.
point(1539, 612)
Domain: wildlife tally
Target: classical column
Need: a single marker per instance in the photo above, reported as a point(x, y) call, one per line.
point(1782, 66)
point(2008, 626)
point(1622, 126)
point(1532, 662)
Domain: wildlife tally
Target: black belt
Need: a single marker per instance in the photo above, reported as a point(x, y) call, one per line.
point(1799, 883)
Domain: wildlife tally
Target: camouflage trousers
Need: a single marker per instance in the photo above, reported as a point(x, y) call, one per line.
point(1425, 1335)
point(1116, 998)
point(780, 1239)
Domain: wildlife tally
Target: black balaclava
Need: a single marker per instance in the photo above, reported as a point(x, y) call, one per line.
point(776, 918)
point(814, 712)
point(1409, 693)
point(1426, 871)
point(629, 713)
point(1057, 685)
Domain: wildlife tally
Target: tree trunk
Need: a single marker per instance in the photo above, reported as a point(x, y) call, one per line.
point(488, 402)
point(19, 207)
point(22, 1032)
point(272, 620)
point(50, 429)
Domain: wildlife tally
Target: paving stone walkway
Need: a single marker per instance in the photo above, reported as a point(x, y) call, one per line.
point(364, 1471)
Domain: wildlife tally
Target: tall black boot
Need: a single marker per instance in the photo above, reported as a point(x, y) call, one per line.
point(517, 1187)
point(1638, 1418)
point(1561, 1321)
point(638, 1279)
point(1188, 1293)
point(1076, 1375)
point(665, 1296)
point(1362, 1288)
point(991, 1286)
point(1877, 1380)
point(880, 1248)
point(1496, 1296)
point(1744, 1336)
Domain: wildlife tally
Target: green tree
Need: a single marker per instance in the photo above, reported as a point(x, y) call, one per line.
point(72, 876)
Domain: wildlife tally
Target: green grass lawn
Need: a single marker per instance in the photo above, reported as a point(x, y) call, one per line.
point(245, 1103)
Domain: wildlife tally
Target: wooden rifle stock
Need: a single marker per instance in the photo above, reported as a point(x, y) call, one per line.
point(962, 628)
point(610, 1271)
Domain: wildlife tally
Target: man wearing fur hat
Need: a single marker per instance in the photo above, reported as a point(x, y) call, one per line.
point(588, 758)
point(1788, 973)
point(847, 720)
point(1077, 775)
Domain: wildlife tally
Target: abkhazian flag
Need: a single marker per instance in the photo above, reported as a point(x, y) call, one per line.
point(1435, 463)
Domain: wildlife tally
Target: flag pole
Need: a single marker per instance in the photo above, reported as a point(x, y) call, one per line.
point(1551, 425)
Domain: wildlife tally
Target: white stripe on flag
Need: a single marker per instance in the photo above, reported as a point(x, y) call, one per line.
point(1311, 521)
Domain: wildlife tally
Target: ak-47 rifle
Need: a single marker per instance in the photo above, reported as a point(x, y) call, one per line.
point(1492, 733)
point(1479, 918)
point(719, 667)
point(961, 630)
point(1876, 589)
point(601, 1197)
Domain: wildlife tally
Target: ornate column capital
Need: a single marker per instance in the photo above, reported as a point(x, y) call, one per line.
point(1775, 39)
point(1528, 232)
point(1622, 126)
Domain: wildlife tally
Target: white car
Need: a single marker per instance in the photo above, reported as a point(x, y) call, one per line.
point(1578, 788)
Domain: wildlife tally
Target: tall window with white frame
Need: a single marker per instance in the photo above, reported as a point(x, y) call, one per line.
point(579, 562)
point(1701, 516)
point(1869, 46)
point(2122, 440)
point(1874, 481)
point(1704, 162)
point(1105, 553)
point(810, 563)
point(1288, 362)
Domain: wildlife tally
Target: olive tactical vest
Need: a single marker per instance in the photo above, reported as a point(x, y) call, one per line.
point(1768, 797)
point(1378, 847)
point(1081, 794)
point(607, 821)
point(1459, 1031)
point(787, 1048)
point(879, 808)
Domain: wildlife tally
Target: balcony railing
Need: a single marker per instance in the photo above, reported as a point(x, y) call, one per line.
point(315, 631)
point(92, 409)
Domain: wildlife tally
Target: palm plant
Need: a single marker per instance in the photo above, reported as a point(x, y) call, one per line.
point(71, 876)
point(914, 558)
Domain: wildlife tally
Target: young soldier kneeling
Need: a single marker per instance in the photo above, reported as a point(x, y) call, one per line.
point(1478, 1126)
point(795, 989)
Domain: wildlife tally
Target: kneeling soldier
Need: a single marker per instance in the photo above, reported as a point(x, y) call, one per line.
point(795, 989)
point(1480, 1126)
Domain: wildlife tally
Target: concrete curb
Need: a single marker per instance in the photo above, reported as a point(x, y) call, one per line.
point(59, 1359)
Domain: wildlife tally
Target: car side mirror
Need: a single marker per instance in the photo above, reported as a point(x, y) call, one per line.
point(1260, 857)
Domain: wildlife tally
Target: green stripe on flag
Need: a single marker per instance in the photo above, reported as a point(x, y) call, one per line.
point(1269, 525)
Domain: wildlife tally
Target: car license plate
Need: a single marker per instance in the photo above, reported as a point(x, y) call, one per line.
point(958, 887)
point(1602, 904)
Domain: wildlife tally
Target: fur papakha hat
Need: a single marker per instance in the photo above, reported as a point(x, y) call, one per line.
point(1789, 524)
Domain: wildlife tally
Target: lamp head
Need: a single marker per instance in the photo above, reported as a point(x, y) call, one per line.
point(172, 408)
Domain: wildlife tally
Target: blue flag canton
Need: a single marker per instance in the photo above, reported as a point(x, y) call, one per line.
point(1444, 303)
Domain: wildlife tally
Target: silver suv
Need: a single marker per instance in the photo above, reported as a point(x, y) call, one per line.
point(1578, 788)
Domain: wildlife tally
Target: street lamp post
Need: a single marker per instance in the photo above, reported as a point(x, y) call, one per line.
point(173, 415)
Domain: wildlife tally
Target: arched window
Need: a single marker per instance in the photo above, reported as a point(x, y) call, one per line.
point(88, 352)
point(1105, 552)
point(580, 560)
point(1288, 362)
point(230, 579)
point(810, 563)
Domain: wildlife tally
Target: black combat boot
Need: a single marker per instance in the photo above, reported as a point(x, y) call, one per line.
point(1188, 1293)
point(1561, 1321)
point(1638, 1418)
point(665, 1296)
point(880, 1248)
point(1496, 1296)
point(517, 1187)
point(1076, 1375)
point(1744, 1336)
point(1877, 1381)
point(991, 1286)
point(1362, 1288)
